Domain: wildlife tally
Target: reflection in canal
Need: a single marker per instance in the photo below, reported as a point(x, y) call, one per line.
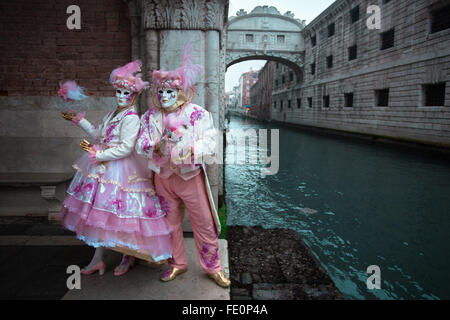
point(356, 204)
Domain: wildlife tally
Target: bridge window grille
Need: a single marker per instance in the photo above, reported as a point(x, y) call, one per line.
point(330, 62)
point(291, 76)
point(280, 39)
point(313, 68)
point(249, 38)
point(331, 30)
point(440, 19)
point(352, 52)
point(326, 101)
point(348, 97)
point(434, 94)
point(299, 103)
point(354, 14)
point(289, 104)
point(387, 39)
point(313, 40)
point(310, 102)
point(382, 98)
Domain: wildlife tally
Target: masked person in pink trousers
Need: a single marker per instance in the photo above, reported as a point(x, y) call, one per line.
point(176, 136)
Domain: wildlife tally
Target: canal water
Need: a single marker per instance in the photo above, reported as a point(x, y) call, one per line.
point(356, 204)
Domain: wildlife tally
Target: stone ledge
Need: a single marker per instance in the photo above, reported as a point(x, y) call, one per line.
point(275, 264)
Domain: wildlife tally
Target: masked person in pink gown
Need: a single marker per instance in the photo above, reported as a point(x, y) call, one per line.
point(176, 137)
point(111, 201)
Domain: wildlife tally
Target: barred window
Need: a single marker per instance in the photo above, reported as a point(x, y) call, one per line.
point(354, 14)
point(348, 97)
point(331, 30)
point(280, 39)
point(249, 38)
point(313, 40)
point(313, 68)
point(330, 62)
point(434, 94)
point(326, 101)
point(382, 98)
point(352, 52)
point(387, 39)
point(440, 19)
point(310, 102)
point(299, 103)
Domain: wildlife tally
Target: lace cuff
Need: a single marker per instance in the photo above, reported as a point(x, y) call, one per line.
point(78, 117)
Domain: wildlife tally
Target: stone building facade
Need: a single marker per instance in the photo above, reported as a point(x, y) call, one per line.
point(391, 82)
point(261, 93)
point(246, 81)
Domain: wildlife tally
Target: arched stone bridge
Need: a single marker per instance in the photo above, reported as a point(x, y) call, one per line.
point(265, 34)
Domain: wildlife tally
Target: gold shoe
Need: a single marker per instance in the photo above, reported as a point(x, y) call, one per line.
point(221, 279)
point(171, 274)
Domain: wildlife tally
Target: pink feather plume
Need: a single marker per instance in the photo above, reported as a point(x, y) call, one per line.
point(70, 91)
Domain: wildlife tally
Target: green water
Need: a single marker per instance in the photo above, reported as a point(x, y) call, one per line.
point(376, 205)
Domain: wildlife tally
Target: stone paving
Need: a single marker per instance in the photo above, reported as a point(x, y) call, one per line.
point(35, 254)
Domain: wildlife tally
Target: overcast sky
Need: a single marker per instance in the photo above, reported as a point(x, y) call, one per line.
point(303, 10)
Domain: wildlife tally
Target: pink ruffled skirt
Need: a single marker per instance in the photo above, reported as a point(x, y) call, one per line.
point(114, 204)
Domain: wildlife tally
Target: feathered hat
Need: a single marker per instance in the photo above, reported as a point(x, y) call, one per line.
point(127, 77)
point(182, 78)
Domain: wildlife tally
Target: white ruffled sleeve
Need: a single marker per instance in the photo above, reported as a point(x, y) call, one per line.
point(205, 137)
point(90, 129)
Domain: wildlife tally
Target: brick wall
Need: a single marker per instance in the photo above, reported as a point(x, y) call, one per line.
point(38, 50)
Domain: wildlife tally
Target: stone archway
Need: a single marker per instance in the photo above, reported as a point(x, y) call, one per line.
point(265, 34)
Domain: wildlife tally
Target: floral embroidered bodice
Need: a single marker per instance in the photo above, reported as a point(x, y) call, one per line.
point(116, 135)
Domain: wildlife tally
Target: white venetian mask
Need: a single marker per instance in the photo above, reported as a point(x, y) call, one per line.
point(167, 97)
point(124, 97)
